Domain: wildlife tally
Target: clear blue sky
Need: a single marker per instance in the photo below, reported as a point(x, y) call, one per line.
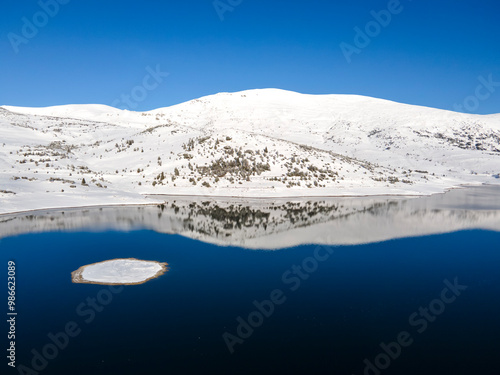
point(431, 53)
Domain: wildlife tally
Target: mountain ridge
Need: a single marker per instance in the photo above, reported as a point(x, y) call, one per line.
point(72, 107)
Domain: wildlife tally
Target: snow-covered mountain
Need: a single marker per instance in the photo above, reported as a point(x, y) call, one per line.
point(254, 143)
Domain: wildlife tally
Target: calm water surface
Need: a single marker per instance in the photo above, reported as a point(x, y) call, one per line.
point(395, 286)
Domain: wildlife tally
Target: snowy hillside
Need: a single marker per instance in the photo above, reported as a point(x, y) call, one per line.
point(254, 143)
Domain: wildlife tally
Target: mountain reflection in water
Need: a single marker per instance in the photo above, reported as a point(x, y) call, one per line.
point(280, 223)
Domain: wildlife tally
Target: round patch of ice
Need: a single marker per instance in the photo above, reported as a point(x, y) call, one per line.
point(119, 272)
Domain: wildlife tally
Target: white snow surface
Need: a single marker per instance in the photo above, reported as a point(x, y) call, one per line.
point(121, 271)
point(256, 143)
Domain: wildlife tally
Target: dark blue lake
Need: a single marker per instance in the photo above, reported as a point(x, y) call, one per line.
point(386, 286)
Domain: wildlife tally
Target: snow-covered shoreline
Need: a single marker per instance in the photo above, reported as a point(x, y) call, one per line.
point(83, 202)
